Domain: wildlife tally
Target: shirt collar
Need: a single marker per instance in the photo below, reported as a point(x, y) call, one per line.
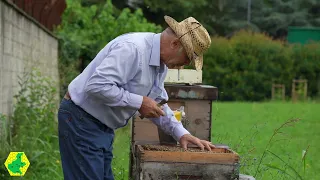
point(155, 53)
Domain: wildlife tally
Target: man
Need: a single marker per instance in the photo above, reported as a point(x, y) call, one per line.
point(126, 77)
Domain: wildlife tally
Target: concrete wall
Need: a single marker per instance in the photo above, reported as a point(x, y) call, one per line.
point(24, 43)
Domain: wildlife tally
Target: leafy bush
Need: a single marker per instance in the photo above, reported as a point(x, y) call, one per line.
point(306, 59)
point(86, 30)
point(245, 66)
point(35, 127)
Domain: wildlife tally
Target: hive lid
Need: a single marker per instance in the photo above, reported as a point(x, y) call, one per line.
point(196, 92)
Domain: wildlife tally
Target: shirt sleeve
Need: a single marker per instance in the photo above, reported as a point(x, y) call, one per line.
point(168, 123)
point(119, 66)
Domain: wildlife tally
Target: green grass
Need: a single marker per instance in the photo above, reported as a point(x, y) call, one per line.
point(121, 150)
point(247, 129)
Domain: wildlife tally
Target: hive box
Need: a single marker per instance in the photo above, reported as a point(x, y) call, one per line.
point(197, 100)
point(171, 163)
point(147, 164)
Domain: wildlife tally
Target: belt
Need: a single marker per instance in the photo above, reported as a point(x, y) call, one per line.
point(67, 96)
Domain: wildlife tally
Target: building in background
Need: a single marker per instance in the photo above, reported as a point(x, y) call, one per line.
point(303, 35)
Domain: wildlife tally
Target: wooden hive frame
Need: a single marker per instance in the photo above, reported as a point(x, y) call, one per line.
point(150, 165)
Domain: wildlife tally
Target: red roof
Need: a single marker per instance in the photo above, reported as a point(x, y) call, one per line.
point(46, 12)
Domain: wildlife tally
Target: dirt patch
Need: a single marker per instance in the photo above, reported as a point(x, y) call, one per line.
point(179, 149)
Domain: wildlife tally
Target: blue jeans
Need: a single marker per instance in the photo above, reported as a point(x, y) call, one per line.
point(85, 144)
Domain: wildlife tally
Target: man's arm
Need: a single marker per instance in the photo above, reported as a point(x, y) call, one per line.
point(171, 126)
point(168, 123)
point(119, 66)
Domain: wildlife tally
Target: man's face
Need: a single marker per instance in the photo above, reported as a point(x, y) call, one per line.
point(177, 56)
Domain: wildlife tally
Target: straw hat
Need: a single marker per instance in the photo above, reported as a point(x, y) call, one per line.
point(193, 36)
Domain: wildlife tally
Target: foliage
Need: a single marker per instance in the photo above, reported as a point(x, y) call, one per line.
point(223, 17)
point(245, 66)
point(155, 10)
point(87, 29)
point(35, 126)
point(276, 16)
point(306, 59)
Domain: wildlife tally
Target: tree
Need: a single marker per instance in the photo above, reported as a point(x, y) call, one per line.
point(277, 15)
point(87, 29)
point(224, 17)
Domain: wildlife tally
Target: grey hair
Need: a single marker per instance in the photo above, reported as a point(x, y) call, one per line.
point(170, 31)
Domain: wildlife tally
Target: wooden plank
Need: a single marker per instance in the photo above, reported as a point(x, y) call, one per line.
point(145, 130)
point(218, 155)
point(176, 104)
point(198, 118)
point(192, 171)
point(197, 122)
point(186, 157)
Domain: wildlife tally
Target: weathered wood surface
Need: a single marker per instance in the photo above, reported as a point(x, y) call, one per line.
point(191, 171)
point(197, 122)
point(144, 130)
point(152, 165)
point(167, 164)
point(198, 118)
point(215, 156)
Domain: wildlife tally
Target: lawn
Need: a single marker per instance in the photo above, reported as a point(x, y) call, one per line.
point(248, 128)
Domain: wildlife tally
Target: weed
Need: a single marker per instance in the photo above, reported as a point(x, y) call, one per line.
point(277, 131)
point(268, 150)
point(34, 127)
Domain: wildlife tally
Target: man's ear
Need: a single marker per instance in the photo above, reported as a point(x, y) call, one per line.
point(175, 43)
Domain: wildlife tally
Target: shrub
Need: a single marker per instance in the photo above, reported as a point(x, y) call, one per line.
point(86, 30)
point(245, 66)
point(306, 59)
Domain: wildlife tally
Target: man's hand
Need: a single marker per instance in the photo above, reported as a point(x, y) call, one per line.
point(150, 109)
point(188, 138)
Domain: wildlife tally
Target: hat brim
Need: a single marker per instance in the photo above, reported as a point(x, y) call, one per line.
point(198, 63)
point(185, 41)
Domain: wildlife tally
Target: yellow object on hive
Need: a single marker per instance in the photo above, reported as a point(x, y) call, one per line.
point(178, 115)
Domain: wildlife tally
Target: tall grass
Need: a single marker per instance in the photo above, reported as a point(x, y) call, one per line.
point(269, 145)
point(4, 143)
point(34, 127)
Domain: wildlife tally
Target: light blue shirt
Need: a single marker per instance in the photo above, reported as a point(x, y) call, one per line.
point(112, 86)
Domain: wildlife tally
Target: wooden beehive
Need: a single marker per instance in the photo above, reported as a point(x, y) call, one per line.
point(147, 164)
point(171, 163)
point(196, 99)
